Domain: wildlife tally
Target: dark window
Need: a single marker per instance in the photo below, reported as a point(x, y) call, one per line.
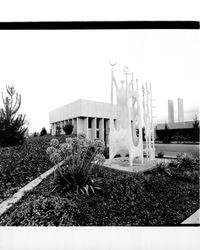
point(89, 122)
point(98, 134)
point(97, 122)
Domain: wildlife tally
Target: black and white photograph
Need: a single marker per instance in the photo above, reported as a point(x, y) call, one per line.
point(99, 127)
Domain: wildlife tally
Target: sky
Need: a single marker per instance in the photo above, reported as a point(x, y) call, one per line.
point(53, 68)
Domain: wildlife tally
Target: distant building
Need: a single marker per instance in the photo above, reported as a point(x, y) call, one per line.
point(177, 131)
point(170, 111)
point(89, 117)
point(180, 110)
point(176, 125)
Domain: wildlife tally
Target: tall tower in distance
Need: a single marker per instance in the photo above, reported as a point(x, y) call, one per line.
point(170, 111)
point(180, 110)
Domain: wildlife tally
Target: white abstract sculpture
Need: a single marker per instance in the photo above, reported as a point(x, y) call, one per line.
point(126, 134)
point(148, 123)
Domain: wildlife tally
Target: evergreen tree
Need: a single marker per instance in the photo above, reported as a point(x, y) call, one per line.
point(195, 129)
point(35, 134)
point(12, 130)
point(166, 137)
point(43, 131)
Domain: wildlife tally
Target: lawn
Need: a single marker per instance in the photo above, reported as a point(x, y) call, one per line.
point(174, 149)
point(163, 196)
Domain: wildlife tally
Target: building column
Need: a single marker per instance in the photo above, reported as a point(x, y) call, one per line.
point(85, 126)
point(74, 123)
point(80, 127)
point(54, 128)
point(101, 129)
point(52, 132)
point(62, 125)
point(94, 128)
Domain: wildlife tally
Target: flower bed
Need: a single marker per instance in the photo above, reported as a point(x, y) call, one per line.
point(21, 164)
point(156, 197)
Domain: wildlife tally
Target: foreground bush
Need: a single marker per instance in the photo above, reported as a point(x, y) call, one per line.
point(78, 155)
point(185, 168)
point(106, 152)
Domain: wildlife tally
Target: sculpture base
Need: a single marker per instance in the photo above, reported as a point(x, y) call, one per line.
point(122, 163)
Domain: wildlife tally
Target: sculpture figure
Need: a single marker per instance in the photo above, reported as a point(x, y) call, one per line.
point(148, 123)
point(126, 134)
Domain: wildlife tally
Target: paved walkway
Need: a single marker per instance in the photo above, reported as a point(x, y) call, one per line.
point(193, 219)
point(123, 164)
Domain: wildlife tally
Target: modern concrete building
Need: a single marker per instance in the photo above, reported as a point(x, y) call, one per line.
point(89, 117)
point(170, 111)
point(180, 110)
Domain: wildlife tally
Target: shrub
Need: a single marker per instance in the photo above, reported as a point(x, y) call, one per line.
point(35, 134)
point(79, 156)
point(195, 129)
point(166, 139)
point(160, 154)
point(43, 131)
point(68, 128)
point(106, 152)
point(12, 130)
point(185, 168)
point(187, 162)
point(163, 168)
point(58, 130)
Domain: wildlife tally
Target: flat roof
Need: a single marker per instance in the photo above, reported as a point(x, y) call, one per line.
point(175, 125)
point(81, 108)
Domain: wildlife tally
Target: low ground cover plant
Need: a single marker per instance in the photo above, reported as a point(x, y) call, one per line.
point(155, 197)
point(21, 164)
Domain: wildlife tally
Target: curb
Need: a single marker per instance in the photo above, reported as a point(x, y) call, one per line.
point(193, 219)
point(5, 205)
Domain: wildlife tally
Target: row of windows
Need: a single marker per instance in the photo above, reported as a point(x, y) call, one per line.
point(90, 119)
point(90, 122)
